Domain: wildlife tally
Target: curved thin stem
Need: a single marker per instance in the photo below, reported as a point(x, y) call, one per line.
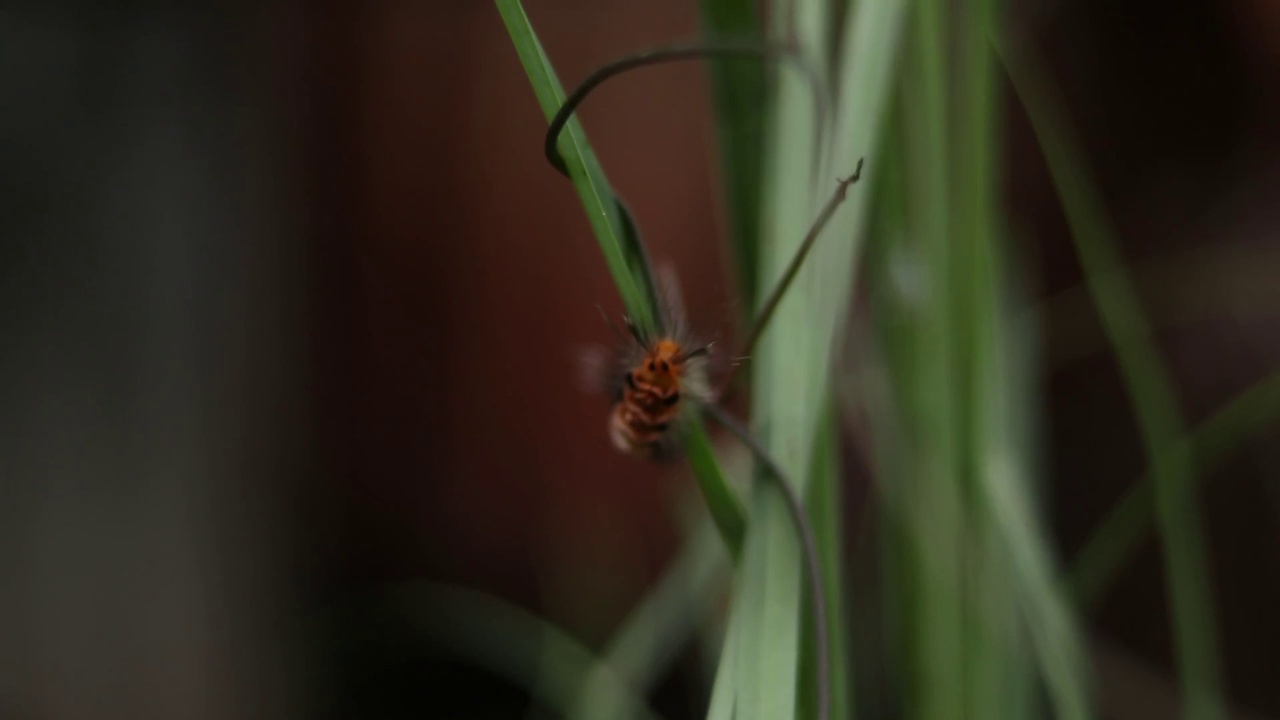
point(780, 290)
point(809, 545)
point(766, 313)
point(674, 53)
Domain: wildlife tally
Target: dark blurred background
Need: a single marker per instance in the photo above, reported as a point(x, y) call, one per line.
point(291, 304)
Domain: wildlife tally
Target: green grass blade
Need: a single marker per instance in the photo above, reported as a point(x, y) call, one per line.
point(990, 669)
point(865, 63)
point(1116, 540)
point(725, 690)
point(588, 176)
point(1054, 632)
point(617, 244)
point(769, 595)
point(934, 504)
point(1149, 387)
point(738, 89)
point(1018, 594)
point(1042, 601)
point(722, 502)
point(827, 502)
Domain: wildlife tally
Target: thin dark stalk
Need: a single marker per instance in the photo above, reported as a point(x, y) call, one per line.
point(779, 291)
point(675, 53)
point(809, 546)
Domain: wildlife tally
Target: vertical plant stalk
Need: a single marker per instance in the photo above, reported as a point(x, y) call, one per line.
point(739, 88)
point(1147, 382)
point(827, 502)
point(864, 56)
point(987, 672)
point(1019, 563)
point(935, 498)
point(1016, 569)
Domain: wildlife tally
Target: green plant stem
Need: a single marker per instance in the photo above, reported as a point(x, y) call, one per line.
point(722, 502)
point(936, 501)
point(725, 690)
point(739, 88)
point(827, 502)
point(584, 170)
point(1148, 385)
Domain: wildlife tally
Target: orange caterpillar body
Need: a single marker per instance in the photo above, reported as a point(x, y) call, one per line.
point(650, 377)
point(649, 400)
